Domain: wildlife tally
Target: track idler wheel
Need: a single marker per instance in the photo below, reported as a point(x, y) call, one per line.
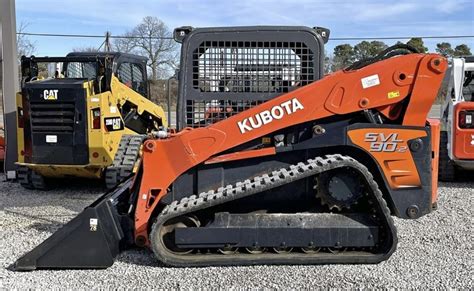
point(282, 250)
point(167, 232)
point(336, 250)
point(311, 250)
point(228, 250)
point(256, 250)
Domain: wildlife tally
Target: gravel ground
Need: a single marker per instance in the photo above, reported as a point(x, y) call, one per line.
point(435, 251)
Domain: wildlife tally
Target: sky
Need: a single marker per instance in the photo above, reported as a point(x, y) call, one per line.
point(366, 18)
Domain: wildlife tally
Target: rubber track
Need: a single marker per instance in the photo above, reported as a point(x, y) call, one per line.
point(446, 170)
point(266, 182)
point(124, 160)
point(29, 179)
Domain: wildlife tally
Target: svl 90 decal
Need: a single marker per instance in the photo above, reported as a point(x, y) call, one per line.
point(379, 142)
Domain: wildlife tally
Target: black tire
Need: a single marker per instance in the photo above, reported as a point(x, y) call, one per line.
point(30, 179)
point(125, 158)
point(446, 168)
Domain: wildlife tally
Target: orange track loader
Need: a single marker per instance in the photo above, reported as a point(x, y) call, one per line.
point(311, 176)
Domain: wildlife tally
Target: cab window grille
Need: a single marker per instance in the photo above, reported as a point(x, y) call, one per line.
point(255, 70)
point(203, 113)
point(81, 70)
point(251, 66)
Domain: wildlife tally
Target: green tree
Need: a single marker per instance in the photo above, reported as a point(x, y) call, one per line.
point(462, 50)
point(445, 49)
point(343, 56)
point(327, 63)
point(417, 42)
point(365, 49)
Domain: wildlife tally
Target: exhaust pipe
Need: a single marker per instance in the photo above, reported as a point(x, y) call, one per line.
point(90, 240)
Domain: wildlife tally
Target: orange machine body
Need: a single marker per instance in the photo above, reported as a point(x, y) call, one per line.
point(412, 80)
point(463, 138)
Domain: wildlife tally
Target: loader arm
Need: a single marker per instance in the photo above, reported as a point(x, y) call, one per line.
point(412, 81)
point(143, 106)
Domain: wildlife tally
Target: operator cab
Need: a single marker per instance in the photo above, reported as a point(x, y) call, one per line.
point(224, 71)
point(468, 83)
point(129, 69)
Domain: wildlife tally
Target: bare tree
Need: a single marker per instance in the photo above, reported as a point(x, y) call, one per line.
point(25, 47)
point(151, 39)
point(125, 44)
point(88, 49)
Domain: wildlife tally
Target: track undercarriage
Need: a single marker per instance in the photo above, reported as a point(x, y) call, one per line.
point(202, 230)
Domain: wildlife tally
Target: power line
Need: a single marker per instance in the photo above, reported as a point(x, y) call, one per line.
point(401, 37)
point(89, 35)
point(170, 37)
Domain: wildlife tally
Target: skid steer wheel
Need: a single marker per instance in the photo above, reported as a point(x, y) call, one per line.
point(446, 169)
point(125, 158)
point(166, 232)
point(339, 189)
point(30, 179)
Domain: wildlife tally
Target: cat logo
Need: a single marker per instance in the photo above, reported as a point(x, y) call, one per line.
point(50, 94)
point(113, 123)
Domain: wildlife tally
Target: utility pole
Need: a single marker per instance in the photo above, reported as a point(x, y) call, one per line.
point(10, 82)
point(107, 46)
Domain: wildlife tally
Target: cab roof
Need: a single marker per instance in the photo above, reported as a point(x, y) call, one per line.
point(115, 55)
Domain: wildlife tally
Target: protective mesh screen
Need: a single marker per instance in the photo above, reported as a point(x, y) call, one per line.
point(202, 113)
point(81, 70)
point(244, 67)
point(249, 66)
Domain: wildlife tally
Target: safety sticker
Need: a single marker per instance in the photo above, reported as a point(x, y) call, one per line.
point(393, 94)
point(370, 81)
point(93, 224)
point(51, 138)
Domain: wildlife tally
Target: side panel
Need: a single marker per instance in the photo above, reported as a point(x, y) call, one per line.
point(389, 147)
point(435, 143)
point(404, 158)
point(463, 137)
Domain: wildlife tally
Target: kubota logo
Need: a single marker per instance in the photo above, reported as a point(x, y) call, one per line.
point(267, 116)
point(50, 94)
point(379, 142)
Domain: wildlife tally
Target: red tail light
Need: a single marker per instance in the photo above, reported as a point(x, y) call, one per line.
point(462, 119)
point(96, 118)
